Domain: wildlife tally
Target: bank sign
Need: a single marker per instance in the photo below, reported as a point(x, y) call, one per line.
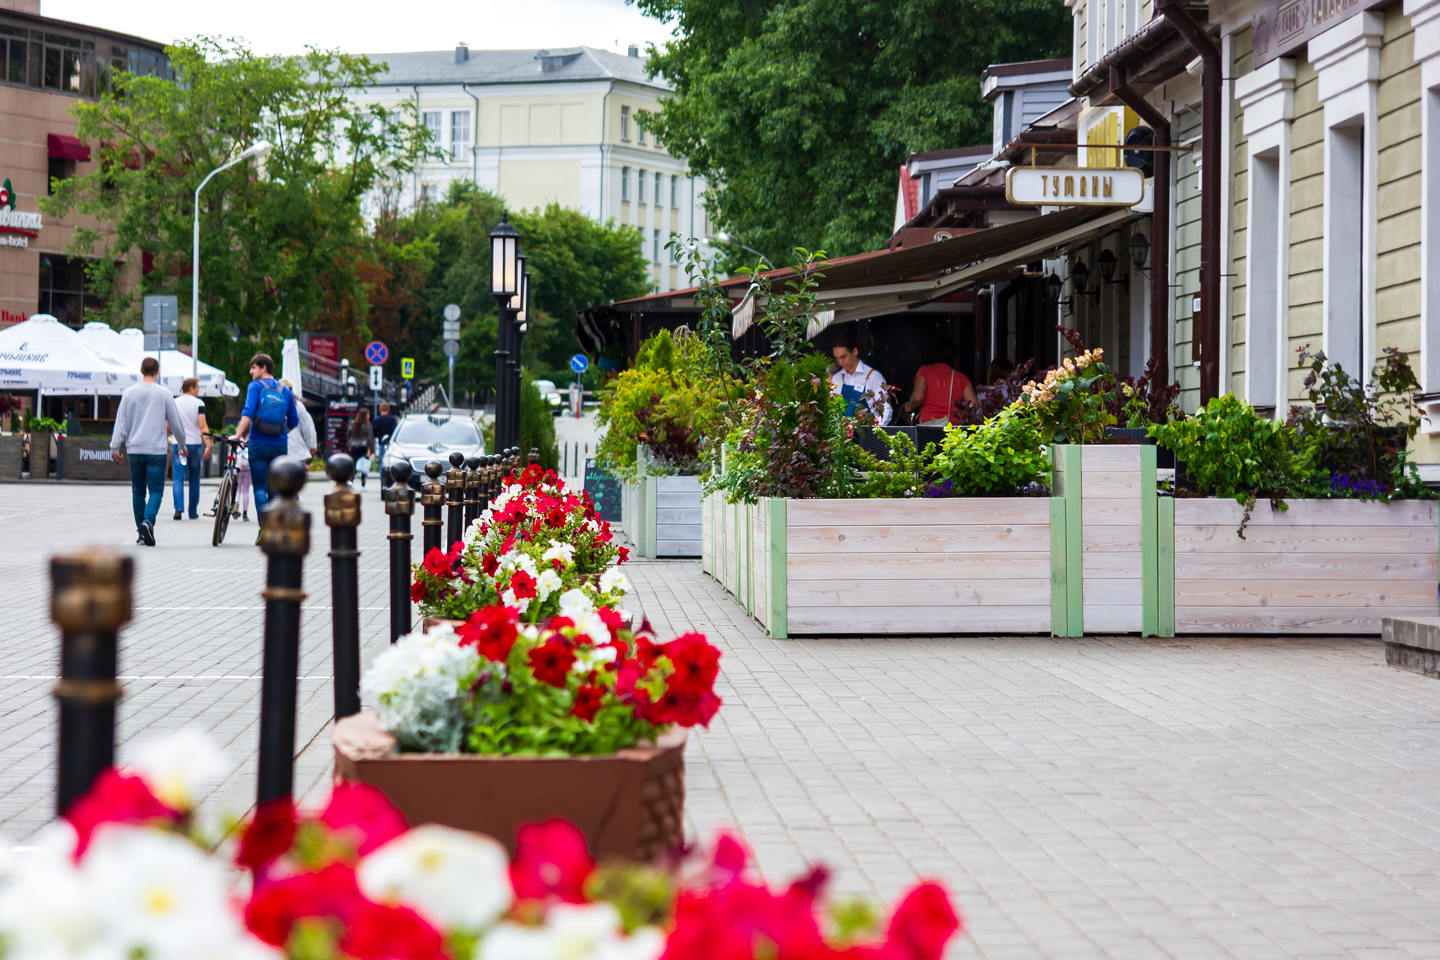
point(1075, 186)
point(17, 228)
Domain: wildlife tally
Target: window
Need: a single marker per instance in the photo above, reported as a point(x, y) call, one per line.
point(459, 134)
point(640, 182)
point(427, 193)
point(433, 119)
point(625, 123)
point(74, 63)
point(1345, 313)
point(659, 180)
point(674, 191)
point(639, 134)
point(61, 168)
point(1264, 269)
point(64, 293)
point(655, 254)
point(624, 184)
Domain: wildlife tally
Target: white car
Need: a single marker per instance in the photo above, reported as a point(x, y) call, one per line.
point(551, 395)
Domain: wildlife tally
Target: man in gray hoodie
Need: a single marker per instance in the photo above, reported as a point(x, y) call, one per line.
point(145, 409)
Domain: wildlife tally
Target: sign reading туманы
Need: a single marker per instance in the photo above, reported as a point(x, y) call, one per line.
point(1075, 186)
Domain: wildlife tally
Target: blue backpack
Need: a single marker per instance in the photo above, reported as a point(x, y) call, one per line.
point(271, 409)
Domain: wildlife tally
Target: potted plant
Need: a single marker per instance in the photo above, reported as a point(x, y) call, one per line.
point(499, 722)
point(41, 429)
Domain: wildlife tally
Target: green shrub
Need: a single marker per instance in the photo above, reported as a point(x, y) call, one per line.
point(537, 426)
point(1000, 457)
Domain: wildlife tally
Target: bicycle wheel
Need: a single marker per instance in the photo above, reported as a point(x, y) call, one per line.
point(222, 509)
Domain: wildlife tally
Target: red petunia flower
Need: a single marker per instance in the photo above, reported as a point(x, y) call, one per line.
point(269, 835)
point(923, 923)
point(551, 861)
point(696, 663)
point(492, 630)
point(277, 905)
point(364, 814)
point(489, 563)
point(438, 563)
point(613, 620)
point(522, 585)
point(391, 932)
point(417, 591)
point(551, 661)
point(116, 797)
point(588, 699)
point(624, 554)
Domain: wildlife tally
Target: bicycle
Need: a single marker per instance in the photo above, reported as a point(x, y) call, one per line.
point(225, 498)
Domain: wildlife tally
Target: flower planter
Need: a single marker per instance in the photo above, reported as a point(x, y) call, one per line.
point(627, 804)
point(661, 514)
point(12, 451)
point(1320, 567)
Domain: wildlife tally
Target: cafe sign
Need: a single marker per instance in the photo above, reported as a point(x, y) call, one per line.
point(17, 228)
point(1075, 186)
point(1283, 26)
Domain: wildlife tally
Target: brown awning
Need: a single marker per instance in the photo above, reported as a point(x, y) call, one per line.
point(64, 147)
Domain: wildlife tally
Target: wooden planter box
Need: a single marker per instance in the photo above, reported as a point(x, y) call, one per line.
point(1320, 567)
point(628, 804)
point(662, 517)
point(12, 452)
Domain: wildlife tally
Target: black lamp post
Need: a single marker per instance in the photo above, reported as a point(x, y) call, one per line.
point(504, 285)
point(512, 372)
point(522, 326)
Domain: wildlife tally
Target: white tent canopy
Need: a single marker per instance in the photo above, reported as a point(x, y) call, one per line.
point(44, 354)
point(128, 346)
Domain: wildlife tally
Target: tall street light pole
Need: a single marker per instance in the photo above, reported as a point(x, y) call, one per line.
point(504, 285)
point(512, 359)
point(522, 326)
point(729, 238)
point(255, 149)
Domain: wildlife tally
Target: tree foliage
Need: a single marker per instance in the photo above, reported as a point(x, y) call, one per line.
point(280, 249)
point(798, 112)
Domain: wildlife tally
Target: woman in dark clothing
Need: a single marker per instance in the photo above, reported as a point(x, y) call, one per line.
point(361, 441)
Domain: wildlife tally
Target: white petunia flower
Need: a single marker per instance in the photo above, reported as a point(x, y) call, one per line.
point(592, 658)
point(614, 581)
point(177, 767)
point(564, 552)
point(455, 879)
point(508, 598)
point(575, 602)
point(547, 583)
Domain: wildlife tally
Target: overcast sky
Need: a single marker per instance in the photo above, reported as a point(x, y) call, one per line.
point(370, 26)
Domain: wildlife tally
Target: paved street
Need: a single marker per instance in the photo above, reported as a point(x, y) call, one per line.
point(1082, 798)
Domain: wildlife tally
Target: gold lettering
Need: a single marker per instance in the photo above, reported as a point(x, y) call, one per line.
point(1109, 183)
point(1069, 186)
point(1056, 189)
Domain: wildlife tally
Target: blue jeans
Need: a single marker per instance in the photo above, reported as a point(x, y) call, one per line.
point(147, 475)
point(191, 470)
point(260, 458)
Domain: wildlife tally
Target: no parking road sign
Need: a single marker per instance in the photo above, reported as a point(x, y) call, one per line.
point(376, 352)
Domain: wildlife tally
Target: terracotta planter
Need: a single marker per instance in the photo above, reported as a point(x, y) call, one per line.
point(628, 804)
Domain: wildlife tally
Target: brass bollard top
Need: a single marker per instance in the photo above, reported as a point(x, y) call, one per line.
point(284, 525)
point(455, 476)
point(399, 498)
point(91, 590)
point(433, 494)
point(342, 505)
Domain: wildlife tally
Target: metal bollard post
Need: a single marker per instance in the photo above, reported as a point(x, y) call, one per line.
point(400, 507)
point(455, 498)
point(534, 456)
point(432, 499)
point(285, 538)
point(342, 516)
point(89, 601)
point(472, 490)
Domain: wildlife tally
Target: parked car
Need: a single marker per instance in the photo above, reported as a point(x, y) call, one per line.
point(420, 438)
point(551, 395)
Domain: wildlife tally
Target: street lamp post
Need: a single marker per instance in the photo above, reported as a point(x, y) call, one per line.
point(504, 285)
point(729, 238)
point(522, 326)
point(512, 360)
point(254, 150)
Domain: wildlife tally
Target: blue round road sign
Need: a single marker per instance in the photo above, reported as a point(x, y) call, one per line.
point(579, 362)
point(376, 352)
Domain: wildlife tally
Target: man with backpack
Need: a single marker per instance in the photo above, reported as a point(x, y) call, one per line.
point(268, 417)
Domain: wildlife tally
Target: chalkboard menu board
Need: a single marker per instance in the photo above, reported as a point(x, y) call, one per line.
point(338, 414)
point(604, 490)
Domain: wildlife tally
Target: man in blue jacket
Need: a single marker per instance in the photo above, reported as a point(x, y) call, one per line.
point(267, 419)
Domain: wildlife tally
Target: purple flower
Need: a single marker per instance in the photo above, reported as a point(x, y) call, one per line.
point(945, 488)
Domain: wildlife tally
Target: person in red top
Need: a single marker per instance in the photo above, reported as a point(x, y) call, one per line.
point(939, 387)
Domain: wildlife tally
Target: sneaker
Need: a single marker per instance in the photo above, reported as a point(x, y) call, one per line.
point(245, 515)
point(147, 534)
point(178, 515)
point(194, 516)
point(140, 540)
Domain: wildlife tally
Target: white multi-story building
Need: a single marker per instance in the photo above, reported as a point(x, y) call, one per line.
point(547, 126)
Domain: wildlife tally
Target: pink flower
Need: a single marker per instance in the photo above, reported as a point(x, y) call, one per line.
point(551, 861)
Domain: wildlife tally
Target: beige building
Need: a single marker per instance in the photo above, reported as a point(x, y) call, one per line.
point(547, 126)
point(46, 67)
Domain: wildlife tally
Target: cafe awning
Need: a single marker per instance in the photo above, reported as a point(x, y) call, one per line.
point(65, 147)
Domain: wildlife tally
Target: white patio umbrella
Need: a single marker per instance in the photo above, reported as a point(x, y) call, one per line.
point(44, 354)
point(128, 346)
point(290, 365)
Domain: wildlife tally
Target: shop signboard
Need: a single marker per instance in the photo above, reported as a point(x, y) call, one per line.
point(338, 414)
point(1283, 26)
point(325, 349)
point(17, 227)
point(1074, 186)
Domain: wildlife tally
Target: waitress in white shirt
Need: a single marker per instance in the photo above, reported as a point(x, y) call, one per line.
point(858, 382)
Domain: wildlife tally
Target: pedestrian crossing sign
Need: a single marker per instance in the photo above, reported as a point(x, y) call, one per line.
point(407, 368)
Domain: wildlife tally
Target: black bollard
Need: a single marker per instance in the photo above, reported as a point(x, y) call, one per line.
point(400, 507)
point(472, 490)
point(285, 538)
point(455, 499)
point(534, 455)
point(89, 601)
point(432, 500)
point(342, 516)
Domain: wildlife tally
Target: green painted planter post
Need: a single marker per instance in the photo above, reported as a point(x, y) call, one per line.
point(1149, 545)
point(1067, 563)
point(779, 585)
point(648, 506)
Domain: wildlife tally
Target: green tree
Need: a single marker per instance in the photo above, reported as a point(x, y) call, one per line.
point(798, 112)
point(281, 243)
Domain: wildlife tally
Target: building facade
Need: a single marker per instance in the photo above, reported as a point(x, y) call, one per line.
point(46, 66)
point(547, 126)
